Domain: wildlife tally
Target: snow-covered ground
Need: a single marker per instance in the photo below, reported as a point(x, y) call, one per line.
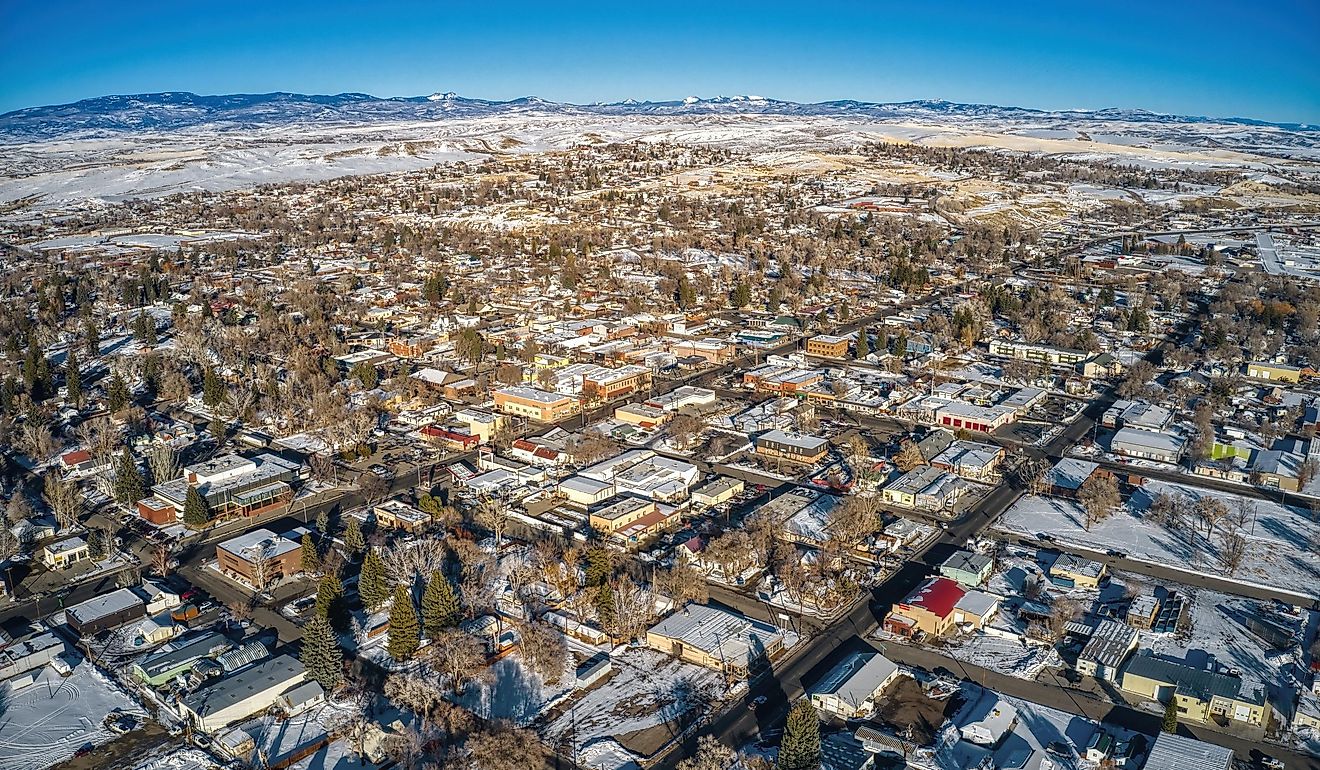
point(49, 720)
point(176, 758)
point(1005, 655)
point(515, 692)
point(1036, 727)
point(1281, 541)
point(646, 689)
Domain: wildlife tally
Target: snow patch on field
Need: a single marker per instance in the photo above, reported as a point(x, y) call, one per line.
point(48, 721)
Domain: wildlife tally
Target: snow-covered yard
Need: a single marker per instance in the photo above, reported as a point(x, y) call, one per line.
point(514, 692)
point(1280, 549)
point(49, 720)
point(1014, 657)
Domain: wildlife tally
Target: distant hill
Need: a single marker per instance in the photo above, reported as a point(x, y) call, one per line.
point(175, 111)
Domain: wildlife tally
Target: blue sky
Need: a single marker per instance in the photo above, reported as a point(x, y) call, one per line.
point(1253, 59)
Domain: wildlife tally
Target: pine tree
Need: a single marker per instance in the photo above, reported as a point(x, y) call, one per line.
point(353, 539)
point(800, 747)
point(440, 607)
point(405, 633)
point(311, 559)
point(196, 513)
point(863, 345)
point(213, 389)
point(606, 611)
point(129, 487)
point(93, 334)
point(330, 602)
point(742, 295)
point(372, 586)
point(73, 379)
point(1170, 724)
point(321, 655)
point(116, 394)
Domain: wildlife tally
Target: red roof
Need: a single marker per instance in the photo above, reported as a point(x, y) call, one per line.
point(937, 595)
point(76, 457)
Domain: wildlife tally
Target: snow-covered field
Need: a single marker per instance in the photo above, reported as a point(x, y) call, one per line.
point(647, 689)
point(1281, 541)
point(48, 721)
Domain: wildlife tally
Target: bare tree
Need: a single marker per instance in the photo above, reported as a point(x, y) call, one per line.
point(64, 498)
point(503, 747)
point(495, 515)
point(458, 657)
point(164, 462)
point(1099, 497)
point(373, 488)
point(908, 457)
point(1232, 549)
point(262, 570)
point(710, 755)
point(161, 558)
point(544, 648)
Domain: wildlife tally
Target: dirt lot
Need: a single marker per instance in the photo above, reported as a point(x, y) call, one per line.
point(906, 705)
point(121, 752)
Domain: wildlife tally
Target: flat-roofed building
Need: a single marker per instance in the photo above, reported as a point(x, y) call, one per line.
point(1177, 752)
point(65, 553)
point(109, 610)
point(793, 447)
point(926, 488)
point(608, 384)
point(1274, 372)
point(1026, 351)
point(259, 557)
point(641, 415)
point(1147, 444)
point(971, 460)
point(983, 419)
point(828, 346)
point(718, 491)
point(535, 404)
point(1105, 652)
point(1201, 694)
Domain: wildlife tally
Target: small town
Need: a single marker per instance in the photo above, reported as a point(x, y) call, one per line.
point(686, 443)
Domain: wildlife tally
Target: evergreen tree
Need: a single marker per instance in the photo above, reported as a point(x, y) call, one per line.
point(73, 379)
point(213, 389)
point(863, 344)
point(742, 295)
point(321, 655)
point(353, 539)
point(372, 585)
point(97, 545)
point(129, 487)
point(1170, 724)
point(440, 607)
point(330, 602)
point(311, 559)
point(196, 513)
point(606, 611)
point(405, 633)
point(116, 394)
point(800, 747)
point(93, 334)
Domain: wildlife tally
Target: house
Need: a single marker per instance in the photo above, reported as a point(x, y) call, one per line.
point(793, 447)
point(1147, 444)
point(971, 460)
point(159, 598)
point(928, 610)
point(1110, 645)
point(259, 557)
point(969, 568)
point(1068, 475)
point(828, 346)
point(1101, 365)
point(987, 721)
point(716, 638)
point(850, 689)
point(1072, 571)
point(1200, 693)
point(65, 553)
point(106, 611)
point(242, 695)
point(535, 404)
point(1177, 752)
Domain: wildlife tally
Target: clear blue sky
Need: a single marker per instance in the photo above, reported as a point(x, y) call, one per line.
point(1256, 59)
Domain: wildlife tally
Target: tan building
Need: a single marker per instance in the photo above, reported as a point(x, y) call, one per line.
point(1201, 694)
point(717, 638)
point(608, 384)
point(535, 404)
point(930, 609)
point(828, 346)
point(1274, 372)
point(793, 447)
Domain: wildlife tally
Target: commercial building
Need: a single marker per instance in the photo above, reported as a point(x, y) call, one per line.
point(928, 610)
point(1110, 645)
point(968, 568)
point(850, 689)
point(828, 346)
point(231, 484)
point(1026, 351)
point(1072, 571)
point(784, 380)
point(259, 557)
point(971, 460)
point(105, 612)
point(716, 638)
point(28, 654)
point(535, 404)
point(1274, 372)
point(1200, 693)
point(1177, 752)
point(927, 488)
point(793, 447)
point(983, 419)
point(162, 666)
point(721, 490)
point(603, 384)
point(65, 553)
point(1147, 444)
point(242, 695)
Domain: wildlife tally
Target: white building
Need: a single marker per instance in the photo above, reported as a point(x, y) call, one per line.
point(849, 690)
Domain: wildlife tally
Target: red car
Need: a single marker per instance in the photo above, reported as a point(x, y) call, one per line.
point(189, 595)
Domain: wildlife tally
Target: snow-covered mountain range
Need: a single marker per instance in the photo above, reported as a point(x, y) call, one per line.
point(173, 111)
